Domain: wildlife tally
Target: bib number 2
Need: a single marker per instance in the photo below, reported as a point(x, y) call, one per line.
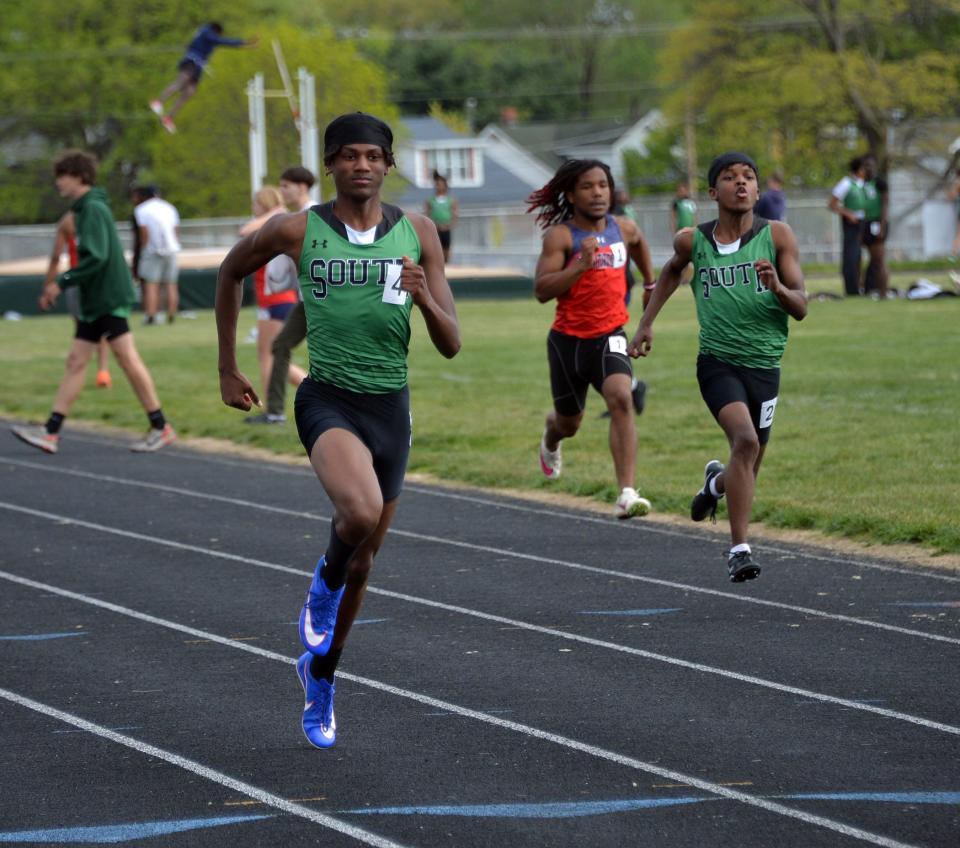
point(766, 413)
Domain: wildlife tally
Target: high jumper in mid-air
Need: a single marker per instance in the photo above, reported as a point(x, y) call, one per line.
point(190, 69)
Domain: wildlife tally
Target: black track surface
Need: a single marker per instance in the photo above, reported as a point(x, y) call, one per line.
point(612, 661)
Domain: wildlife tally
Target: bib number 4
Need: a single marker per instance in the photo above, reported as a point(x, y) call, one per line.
point(393, 291)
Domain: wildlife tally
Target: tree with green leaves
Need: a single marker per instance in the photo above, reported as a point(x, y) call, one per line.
point(206, 163)
point(803, 83)
point(81, 74)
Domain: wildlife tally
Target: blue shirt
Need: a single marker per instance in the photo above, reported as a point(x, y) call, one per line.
point(205, 41)
point(771, 205)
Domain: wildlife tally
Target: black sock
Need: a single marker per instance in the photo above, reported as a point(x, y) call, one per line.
point(54, 423)
point(322, 668)
point(336, 560)
point(157, 421)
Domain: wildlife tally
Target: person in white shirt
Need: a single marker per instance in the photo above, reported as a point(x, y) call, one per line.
point(295, 184)
point(848, 200)
point(158, 232)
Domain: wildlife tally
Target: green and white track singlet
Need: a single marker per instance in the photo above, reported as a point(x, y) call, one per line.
point(741, 321)
point(358, 317)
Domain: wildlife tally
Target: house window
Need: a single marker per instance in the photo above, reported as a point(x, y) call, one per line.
point(462, 166)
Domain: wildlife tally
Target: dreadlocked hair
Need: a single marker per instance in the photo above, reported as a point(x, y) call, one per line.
point(552, 198)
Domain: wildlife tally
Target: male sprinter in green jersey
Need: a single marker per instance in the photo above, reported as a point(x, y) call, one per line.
point(746, 282)
point(363, 266)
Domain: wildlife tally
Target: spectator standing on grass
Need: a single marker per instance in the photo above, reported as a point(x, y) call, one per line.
point(364, 266)
point(849, 201)
point(443, 210)
point(295, 184)
point(772, 204)
point(953, 193)
point(106, 296)
point(683, 210)
point(277, 289)
point(747, 282)
point(624, 208)
point(158, 237)
point(191, 68)
point(581, 266)
point(875, 225)
point(136, 248)
point(65, 241)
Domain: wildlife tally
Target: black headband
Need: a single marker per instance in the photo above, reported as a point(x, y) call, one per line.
point(356, 128)
point(725, 160)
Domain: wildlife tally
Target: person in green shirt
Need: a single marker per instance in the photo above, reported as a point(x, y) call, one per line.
point(106, 296)
point(363, 266)
point(747, 281)
point(875, 225)
point(683, 211)
point(849, 201)
point(443, 210)
point(683, 214)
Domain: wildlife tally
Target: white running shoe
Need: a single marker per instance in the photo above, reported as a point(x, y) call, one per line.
point(550, 461)
point(154, 440)
point(630, 504)
point(37, 436)
point(157, 108)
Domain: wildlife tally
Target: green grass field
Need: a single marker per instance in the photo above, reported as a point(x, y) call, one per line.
point(864, 444)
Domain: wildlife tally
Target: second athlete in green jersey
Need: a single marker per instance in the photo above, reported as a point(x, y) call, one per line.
point(741, 321)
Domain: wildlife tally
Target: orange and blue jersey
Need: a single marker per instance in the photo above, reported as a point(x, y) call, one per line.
point(276, 282)
point(594, 304)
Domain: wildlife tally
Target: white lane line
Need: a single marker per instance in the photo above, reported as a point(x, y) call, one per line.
point(203, 771)
point(466, 712)
point(516, 624)
point(575, 515)
point(277, 468)
point(422, 537)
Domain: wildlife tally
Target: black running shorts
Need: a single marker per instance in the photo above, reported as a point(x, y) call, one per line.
point(444, 238)
point(873, 233)
point(192, 69)
point(381, 421)
point(106, 325)
point(576, 364)
point(722, 383)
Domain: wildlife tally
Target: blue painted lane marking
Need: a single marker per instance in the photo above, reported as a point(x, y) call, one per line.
point(558, 810)
point(358, 621)
point(654, 611)
point(126, 727)
point(37, 637)
point(481, 710)
point(947, 604)
point(112, 833)
point(946, 798)
point(576, 809)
